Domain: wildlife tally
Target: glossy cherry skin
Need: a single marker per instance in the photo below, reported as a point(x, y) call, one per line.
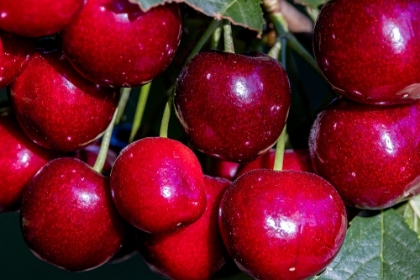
point(194, 252)
point(157, 185)
point(20, 159)
point(369, 50)
point(68, 217)
point(15, 53)
point(232, 106)
point(298, 160)
point(222, 168)
point(370, 154)
point(35, 18)
point(59, 109)
point(139, 45)
point(282, 224)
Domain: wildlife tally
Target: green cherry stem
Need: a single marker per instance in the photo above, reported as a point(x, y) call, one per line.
point(204, 38)
point(227, 37)
point(125, 94)
point(281, 29)
point(275, 50)
point(279, 47)
point(215, 38)
point(281, 143)
point(141, 105)
point(166, 117)
point(106, 139)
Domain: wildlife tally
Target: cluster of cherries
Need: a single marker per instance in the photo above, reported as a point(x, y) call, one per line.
point(287, 224)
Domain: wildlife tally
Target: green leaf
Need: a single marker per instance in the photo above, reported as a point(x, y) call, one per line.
point(246, 13)
point(378, 247)
point(311, 3)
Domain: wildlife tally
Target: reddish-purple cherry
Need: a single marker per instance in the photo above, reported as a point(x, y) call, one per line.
point(15, 52)
point(157, 185)
point(282, 224)
point(232, 106)
point(113, 42)
point(36, 18)
point(68, 217)
point(195, 252)
point(20, 159)
point(57, 108)
point(369, 51)
point(370, 154)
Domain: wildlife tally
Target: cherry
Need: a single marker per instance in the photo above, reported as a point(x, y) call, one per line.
point(378, 64)
point(57, 108)
point(298, 160)
point(232, 106)
point(15, 52)
point(34, 18)
point(20, 159)
point(139, 46)
point(157, 185)
point(68, 217)
point(282, 224)
point(370, 154)
point(222, 168)
point(197, 250)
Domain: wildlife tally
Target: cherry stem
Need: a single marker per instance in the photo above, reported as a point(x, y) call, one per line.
point(281, 143)
point(415, 208)
point(215, 38)
point(312, 13)
point(204, 38)
point(275, 50)
point(281, 29)
point(106, 139)
point(125, 94)
point(227, 37)
point(141, 105)
point(166, 118)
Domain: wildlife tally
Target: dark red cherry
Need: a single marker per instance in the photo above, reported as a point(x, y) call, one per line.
point(157, 185)
point(113, 42)
point(15, 53)
point(282, 224)
point(20, 159)
point(57, 108)
point(194, 252)
point(232, 106)
point(369, 50)
point(68, 217)
point(370, 154)
point(36, 18)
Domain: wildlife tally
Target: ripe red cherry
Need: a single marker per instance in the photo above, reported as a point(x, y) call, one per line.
point(35, 18)
point(139, 46)
point(194, 252)
point(282, 224)
point(223, 169)
point(370, 154)
point(369, 50)
point(68, 217)
point(15, 52)
point(298, 160)
point(157, 185)
point(232, 106)
point(20, 159)
point(57, 108)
